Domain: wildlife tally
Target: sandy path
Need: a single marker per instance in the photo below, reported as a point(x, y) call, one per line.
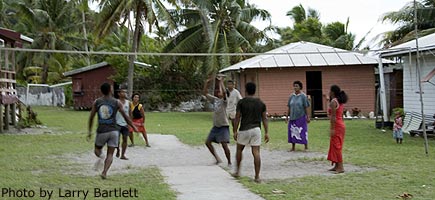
point(192, 173)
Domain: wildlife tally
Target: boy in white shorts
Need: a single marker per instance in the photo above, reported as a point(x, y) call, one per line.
point(249, 133)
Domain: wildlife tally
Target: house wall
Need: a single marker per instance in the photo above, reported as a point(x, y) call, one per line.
point(411, 97)
point(275, 85)
point(86, 86)
point(7, 71)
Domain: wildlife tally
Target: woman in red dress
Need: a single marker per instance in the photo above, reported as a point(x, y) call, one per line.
point(337, 129)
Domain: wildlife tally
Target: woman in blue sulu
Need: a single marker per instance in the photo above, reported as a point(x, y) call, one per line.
point(297, 117)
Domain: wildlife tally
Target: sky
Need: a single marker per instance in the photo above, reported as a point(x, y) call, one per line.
point(363, 14)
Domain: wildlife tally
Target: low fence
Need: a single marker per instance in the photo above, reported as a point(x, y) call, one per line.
point(42, 95)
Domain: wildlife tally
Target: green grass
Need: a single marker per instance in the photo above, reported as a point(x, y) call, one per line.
point(33, 162)
point(65, 119)
point(398, 168)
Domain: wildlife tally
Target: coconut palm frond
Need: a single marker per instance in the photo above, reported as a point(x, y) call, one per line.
point(189, 40)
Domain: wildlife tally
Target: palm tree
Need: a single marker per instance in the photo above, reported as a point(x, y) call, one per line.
point(117, 12)
point(306, 27)
point(117, 41)
point(83, 6)
point(405, 18)
point(217, 26)
point(49, 23)
point(298, 14)
point(3, 13)
point(337, 35)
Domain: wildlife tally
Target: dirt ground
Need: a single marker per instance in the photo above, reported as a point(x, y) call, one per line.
point(192, 172)
point(25, 131)
point(168, 151)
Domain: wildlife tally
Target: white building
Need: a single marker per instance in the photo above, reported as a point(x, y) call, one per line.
point(406, 54)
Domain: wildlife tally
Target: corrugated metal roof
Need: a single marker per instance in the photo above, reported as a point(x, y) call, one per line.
point(85, 69)
point(303, 54)
point(424, 43)
point(8, 34)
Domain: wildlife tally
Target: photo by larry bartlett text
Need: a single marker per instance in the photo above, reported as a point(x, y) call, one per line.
point(44, 193)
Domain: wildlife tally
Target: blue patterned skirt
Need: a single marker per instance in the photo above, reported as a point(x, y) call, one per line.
point(298, 131)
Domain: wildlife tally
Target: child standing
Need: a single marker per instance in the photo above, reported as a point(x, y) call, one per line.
point(138, 115)
point(397, 128)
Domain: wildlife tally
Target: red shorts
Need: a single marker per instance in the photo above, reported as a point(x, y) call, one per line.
point(139, 125)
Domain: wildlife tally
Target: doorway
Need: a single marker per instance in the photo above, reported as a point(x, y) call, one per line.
point(314, 89)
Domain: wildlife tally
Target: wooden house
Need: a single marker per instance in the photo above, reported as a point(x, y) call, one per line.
point(86, 82)
point(8, 92)
point(317, 67)
point(405, 54)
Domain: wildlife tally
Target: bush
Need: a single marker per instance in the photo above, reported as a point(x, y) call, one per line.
point(69, 100)
point(30, 119)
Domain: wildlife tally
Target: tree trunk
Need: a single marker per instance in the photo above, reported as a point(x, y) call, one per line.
point(132, 58)
point(86, 37)
point(44, 75)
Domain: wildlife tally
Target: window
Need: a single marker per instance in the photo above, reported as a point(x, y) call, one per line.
point(77, 87)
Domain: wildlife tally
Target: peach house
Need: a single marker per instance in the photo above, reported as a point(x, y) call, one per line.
point(317, 67)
